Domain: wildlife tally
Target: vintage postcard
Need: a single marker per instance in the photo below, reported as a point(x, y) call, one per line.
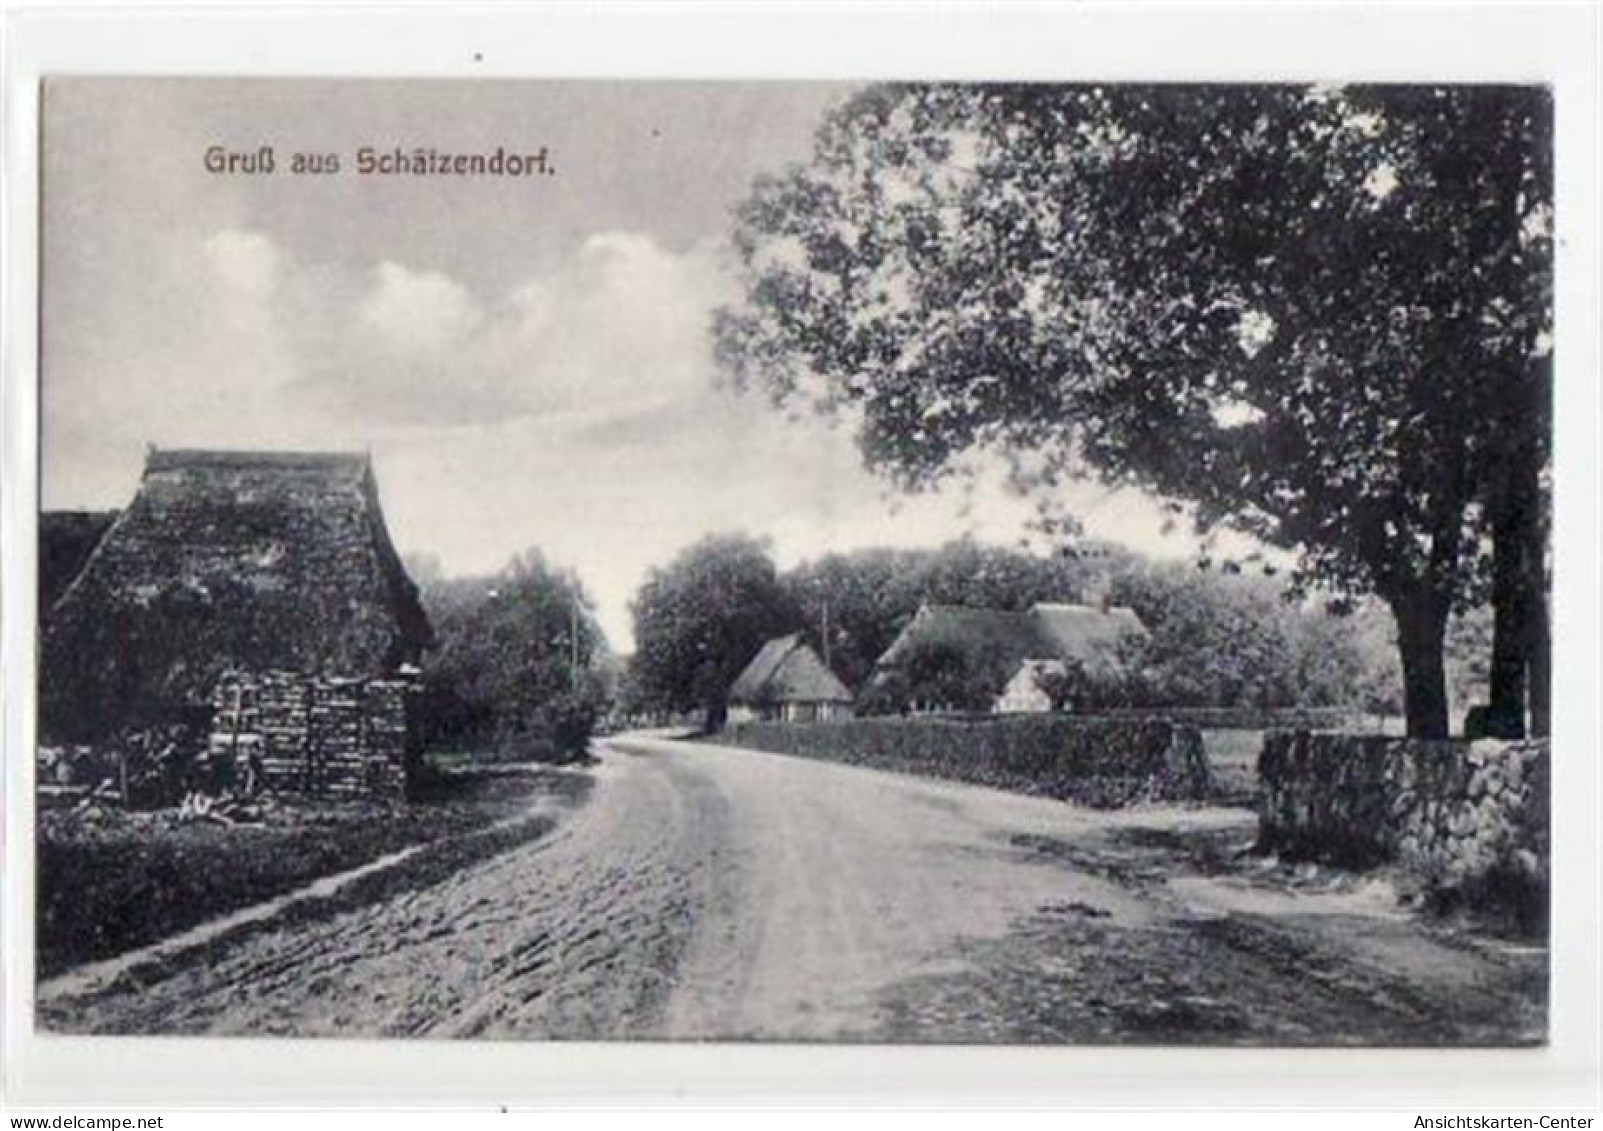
point(962, 563)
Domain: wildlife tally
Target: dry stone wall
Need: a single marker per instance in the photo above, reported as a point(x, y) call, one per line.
point(1471, 819)
point(319, 736)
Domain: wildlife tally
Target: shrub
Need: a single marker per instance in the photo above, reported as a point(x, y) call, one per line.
point(557, 732)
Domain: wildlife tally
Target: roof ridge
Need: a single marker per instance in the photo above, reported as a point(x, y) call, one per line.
point(164, 459)
point(1080, 606)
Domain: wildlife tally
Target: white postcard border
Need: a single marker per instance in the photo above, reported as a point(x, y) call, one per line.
point(1555, 43)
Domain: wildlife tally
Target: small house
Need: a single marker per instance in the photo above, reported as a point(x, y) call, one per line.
point(787, 682)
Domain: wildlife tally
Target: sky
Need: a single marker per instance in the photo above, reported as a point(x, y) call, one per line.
point(527, 359)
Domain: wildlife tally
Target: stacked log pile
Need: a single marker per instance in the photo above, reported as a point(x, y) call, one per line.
point(391, 736)
point(317, 736)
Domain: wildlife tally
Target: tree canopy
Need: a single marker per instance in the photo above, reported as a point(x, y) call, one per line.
point(516, 666)
point(701, 618)
point(1319, 316)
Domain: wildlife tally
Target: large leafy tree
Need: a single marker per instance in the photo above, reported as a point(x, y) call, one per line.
point(1316, 316)
point(701, 618)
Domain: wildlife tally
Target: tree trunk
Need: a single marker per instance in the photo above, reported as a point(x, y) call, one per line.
point(1541, 664)
point(1518, 511)
point(1511, 616)
point(1421, 634)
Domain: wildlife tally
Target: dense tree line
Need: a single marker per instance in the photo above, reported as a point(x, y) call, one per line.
point(521, 666)
point(1217, 639)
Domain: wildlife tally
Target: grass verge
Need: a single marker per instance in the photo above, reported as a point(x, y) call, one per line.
point(125, 880)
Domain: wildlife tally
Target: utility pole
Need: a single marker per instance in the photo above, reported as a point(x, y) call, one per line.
point(824, 635)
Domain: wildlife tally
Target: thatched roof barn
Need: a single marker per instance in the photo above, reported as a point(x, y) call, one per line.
point(227, 560)
point(786, 680)
point(1002, 636)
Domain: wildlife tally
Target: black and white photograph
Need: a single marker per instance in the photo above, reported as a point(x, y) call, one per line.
point(873, 563)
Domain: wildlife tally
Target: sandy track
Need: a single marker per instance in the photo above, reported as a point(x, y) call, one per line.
point(705, 892)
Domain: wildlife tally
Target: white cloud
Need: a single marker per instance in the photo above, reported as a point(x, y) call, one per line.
point(419, 310)
point(574, 410)
point(245, 261)
point(619, 322)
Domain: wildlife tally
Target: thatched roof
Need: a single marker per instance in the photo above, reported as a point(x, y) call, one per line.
point(997, 632)
point(1087, 633)
point(1084, 632)
point(787, 670)
point(66, 539)
point(259, 560)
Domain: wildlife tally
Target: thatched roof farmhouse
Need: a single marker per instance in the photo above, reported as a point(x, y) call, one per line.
point(227, 561)
point(786, 680)
point(1017, 645)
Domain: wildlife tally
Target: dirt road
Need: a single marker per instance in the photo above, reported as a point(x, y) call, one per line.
point(704, 892)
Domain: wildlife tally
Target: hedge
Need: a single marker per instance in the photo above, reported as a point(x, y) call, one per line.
point(1095, 761)
point(1245, 718)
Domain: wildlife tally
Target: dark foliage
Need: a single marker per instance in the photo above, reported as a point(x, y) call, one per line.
point(701, 618)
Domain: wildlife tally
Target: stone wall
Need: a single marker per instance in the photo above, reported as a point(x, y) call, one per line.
point(319, 736)
point(1470, 819)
